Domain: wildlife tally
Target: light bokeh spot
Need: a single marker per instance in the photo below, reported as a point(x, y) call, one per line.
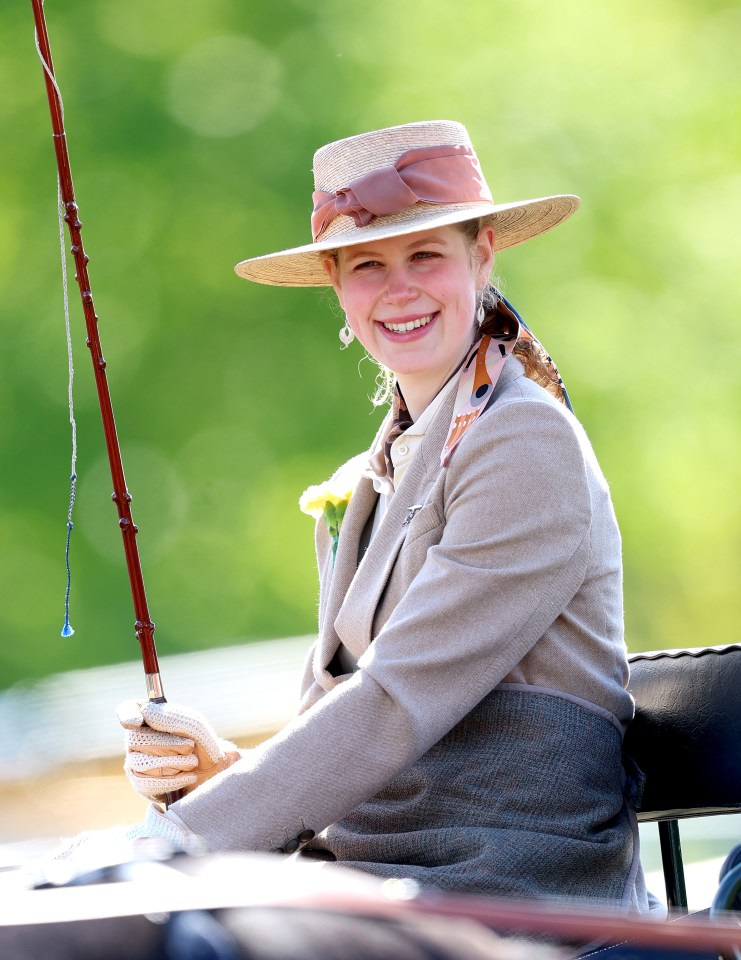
point(224, 86)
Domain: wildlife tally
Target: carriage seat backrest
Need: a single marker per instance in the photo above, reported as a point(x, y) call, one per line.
point(686, 736)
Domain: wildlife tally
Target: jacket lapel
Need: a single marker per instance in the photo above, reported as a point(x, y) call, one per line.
point(338, 577)
point(354, 621)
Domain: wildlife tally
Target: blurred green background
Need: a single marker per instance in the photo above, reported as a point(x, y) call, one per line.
point(191, 128)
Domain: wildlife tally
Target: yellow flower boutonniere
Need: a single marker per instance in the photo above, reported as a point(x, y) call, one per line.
point(329, 500)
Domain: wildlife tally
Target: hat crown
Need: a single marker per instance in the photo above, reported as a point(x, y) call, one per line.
point(339, 163)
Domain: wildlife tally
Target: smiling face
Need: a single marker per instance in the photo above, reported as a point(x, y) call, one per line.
point(411, 300)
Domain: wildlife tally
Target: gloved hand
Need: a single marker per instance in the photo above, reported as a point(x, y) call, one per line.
point(170, 747)
point(165, 825)
point(162, 832)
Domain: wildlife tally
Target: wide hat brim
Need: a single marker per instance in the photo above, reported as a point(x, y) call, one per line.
point(513, 223)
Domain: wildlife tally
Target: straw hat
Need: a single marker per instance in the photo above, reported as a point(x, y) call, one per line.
point(426, 174)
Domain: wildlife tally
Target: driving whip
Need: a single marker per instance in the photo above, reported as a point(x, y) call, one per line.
point(144, 626)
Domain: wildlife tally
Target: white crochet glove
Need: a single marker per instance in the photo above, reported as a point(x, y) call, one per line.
point(170, 748)
point(161, 832)
point(165, 825)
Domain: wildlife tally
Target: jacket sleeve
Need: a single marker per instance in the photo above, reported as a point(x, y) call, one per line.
point(513, 552)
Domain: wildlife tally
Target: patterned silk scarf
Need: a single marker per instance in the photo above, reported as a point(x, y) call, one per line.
point(477, 379)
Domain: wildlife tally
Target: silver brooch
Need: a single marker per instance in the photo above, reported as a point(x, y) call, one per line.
point(410, 514)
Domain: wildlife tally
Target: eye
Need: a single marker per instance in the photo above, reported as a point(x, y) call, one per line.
point(365, 265)
point(425, 255)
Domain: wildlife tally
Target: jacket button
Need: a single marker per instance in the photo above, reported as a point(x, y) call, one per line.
point(306, 835)
point(277, 850)
point(291, 846)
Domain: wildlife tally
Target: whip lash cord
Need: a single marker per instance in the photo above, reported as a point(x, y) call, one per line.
point(67, 629)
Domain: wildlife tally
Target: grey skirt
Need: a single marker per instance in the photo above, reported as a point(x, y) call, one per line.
point(526, 796)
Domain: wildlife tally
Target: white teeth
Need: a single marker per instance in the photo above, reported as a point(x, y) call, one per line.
point(411, 325)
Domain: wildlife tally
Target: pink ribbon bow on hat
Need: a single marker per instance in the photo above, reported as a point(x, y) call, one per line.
point(446, 174)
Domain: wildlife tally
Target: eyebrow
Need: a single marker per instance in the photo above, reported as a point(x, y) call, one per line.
point(425, 241)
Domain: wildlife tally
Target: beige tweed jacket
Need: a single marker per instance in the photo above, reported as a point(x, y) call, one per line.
point(507, 574)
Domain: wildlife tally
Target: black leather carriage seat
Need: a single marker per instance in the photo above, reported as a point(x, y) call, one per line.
point(686, 739)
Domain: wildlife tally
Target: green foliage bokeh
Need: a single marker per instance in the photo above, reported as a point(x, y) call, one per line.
point(191, 128)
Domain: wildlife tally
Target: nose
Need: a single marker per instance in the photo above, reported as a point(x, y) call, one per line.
point(399, 287)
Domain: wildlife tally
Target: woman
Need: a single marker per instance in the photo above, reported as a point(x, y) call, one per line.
point(464, 704)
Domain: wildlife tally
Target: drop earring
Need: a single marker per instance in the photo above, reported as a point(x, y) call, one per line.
point(346, 335)
point(480, 315)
